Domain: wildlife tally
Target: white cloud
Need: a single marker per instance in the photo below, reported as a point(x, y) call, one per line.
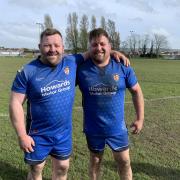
point(37, 4)
point(172, 3)
point(161, 31)
point(137, 19)
point(141, 16)
point(18, 34)
point(142, 5)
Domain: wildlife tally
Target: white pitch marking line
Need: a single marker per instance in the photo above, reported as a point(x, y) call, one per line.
point(128, 102)
point(146, 100)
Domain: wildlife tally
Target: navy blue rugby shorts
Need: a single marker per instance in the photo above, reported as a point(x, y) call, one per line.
point(58, 146)
point(117, 143)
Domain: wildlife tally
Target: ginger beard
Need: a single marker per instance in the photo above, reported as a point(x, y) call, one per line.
point(52, 49)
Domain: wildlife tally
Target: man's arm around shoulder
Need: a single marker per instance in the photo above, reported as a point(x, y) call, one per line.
point(116, 54)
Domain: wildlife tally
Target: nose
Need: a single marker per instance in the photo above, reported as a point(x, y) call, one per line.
point(98, 46)
point(52, 48)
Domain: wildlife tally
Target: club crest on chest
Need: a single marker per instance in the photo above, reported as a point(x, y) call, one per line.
point(116, 77)
point(66, 70)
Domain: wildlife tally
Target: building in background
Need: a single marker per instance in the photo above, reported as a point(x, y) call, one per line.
point(11, 52)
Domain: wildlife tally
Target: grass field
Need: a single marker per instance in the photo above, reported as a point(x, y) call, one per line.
point(155, 153)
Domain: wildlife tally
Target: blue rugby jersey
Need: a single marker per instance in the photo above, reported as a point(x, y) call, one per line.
point(103, 91)
point(50, 93)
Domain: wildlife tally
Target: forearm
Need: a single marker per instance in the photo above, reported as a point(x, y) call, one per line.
point(138, 102)
point(17, 118)
point(116, 54)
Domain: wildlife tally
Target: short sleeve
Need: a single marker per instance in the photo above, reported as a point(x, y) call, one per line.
point(131, 78)
point(20, 82)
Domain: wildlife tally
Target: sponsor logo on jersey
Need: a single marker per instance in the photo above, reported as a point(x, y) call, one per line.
point(55, 87)
point(116, 77)
point(103, 89)
point(66, 70)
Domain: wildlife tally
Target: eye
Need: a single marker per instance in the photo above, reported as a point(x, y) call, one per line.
point(57, 45)
point(94, 44)
point(102, 44)
point(46, 45)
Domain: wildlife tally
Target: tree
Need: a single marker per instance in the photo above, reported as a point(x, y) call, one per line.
point(72, 32)
point(47, 21)
point(114, 36)
point(151, 52)
point(83, 38)
point(124, 46)
point(160, 42)
point(116, 41)
point(93, 22)
point(103, 23)
point(133, 41)
point(145, 43)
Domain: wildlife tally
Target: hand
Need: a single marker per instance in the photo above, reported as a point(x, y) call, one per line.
point(120, 57)
point(26, 143)
point(136, 126)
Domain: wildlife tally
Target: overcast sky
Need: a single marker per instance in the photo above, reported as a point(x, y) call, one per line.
point(18, 20)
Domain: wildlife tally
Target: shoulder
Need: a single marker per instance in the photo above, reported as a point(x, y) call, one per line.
point(120, 65)
point(29, 68)
point(32, 64)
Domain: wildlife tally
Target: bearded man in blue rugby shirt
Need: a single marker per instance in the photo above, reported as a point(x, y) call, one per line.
point(103, 82)
point(48, 83)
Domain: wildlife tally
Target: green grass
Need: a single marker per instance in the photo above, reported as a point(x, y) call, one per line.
point(155, 153)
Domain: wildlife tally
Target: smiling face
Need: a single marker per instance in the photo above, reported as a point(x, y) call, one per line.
point(100, 49)
point(52, 49)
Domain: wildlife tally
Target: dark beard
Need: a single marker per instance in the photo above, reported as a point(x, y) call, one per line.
point(44, 59)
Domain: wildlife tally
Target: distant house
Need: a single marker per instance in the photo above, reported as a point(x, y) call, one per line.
point(11, 52)
point(171, 54)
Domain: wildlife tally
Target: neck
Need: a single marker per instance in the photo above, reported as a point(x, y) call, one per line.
point(101, 64)
point(45, 61)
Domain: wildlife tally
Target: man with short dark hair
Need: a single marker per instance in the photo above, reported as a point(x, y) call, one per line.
point(103, 82)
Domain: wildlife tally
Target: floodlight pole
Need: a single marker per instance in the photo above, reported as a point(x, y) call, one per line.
point(131, 40)
point(131, 32)
point(41, 27)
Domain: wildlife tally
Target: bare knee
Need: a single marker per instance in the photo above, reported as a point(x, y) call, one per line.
point(124, 164)
point(96, 160)
point(36, 170)
point(60, 168)
point(124, 169)
point(122, 159)
point(95, 165)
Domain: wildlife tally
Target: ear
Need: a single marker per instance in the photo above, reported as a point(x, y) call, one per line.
point(89, 46)
point(39, 45)
point(110, 45)
point(63, 49)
